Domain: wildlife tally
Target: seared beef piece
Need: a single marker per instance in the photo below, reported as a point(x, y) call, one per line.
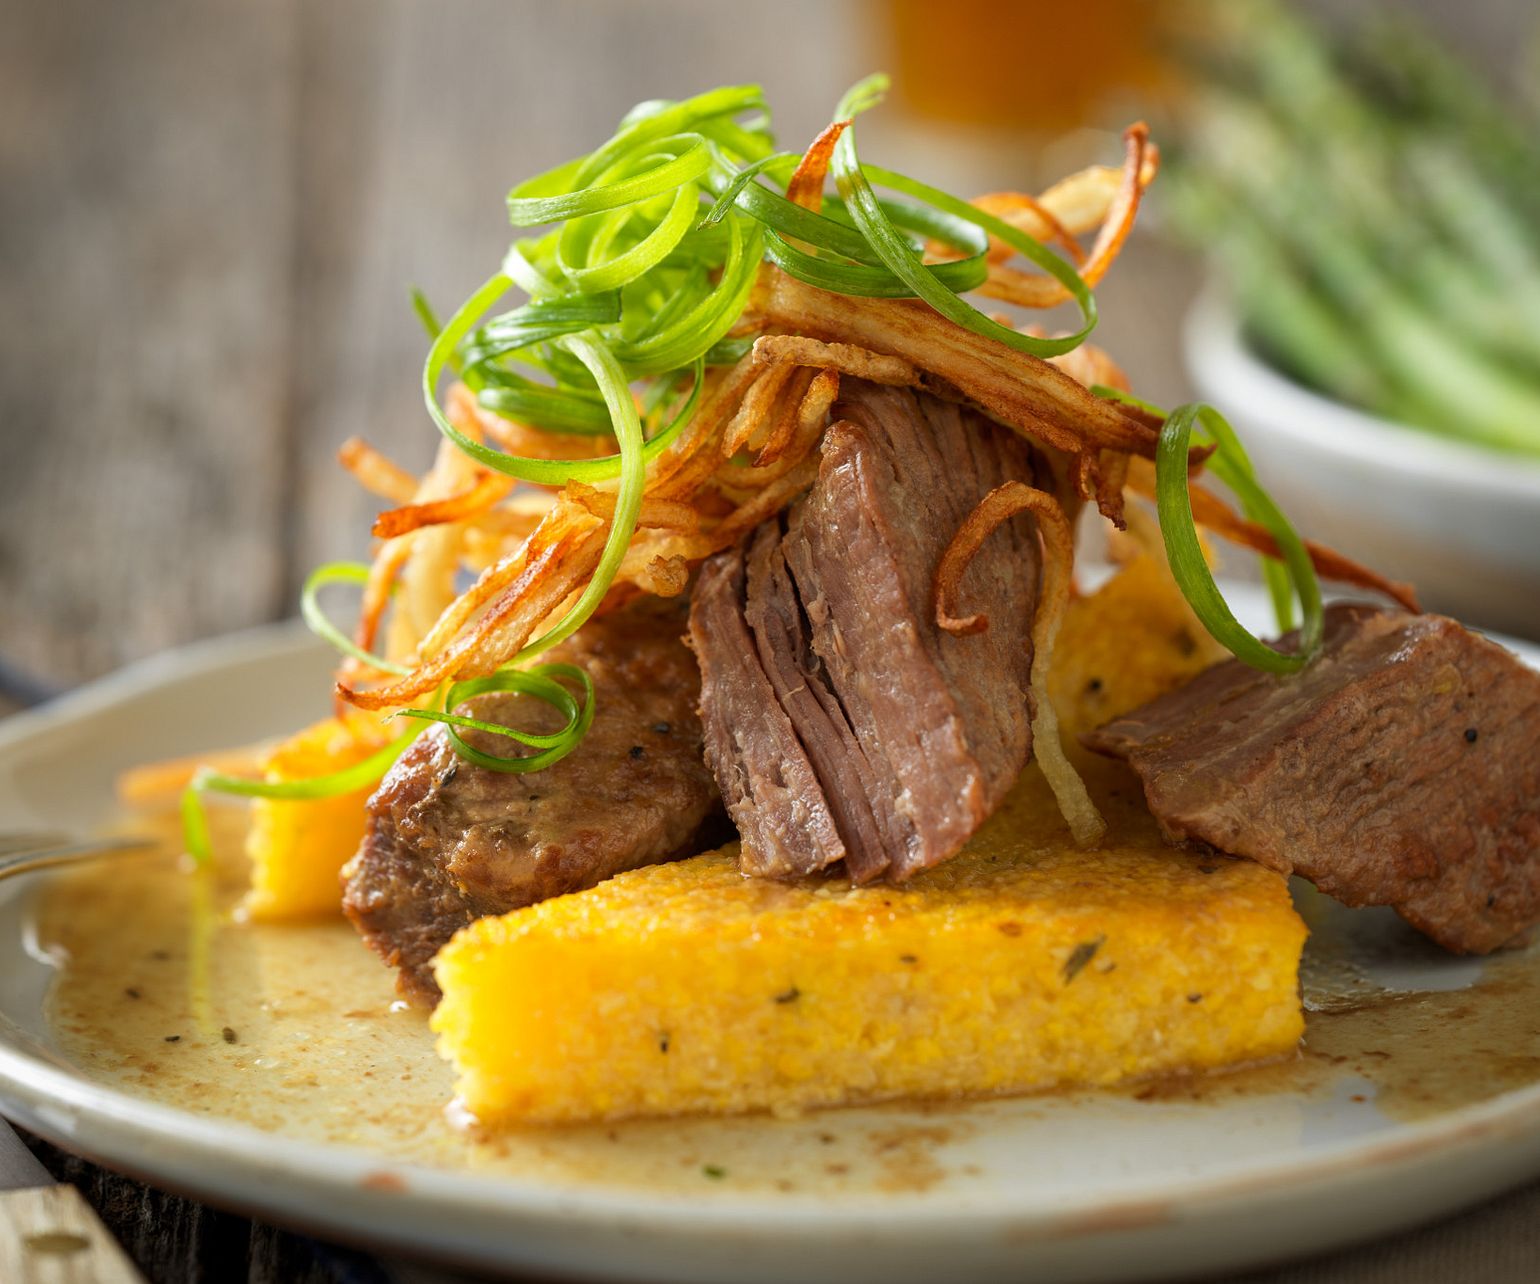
point(841, 722)
point(759, 763)
point(450, 842)
point(1401, 768)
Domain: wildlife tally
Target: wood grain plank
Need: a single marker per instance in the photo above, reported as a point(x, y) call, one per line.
point(146, 207)
point(435, 112)
point(50, 1235)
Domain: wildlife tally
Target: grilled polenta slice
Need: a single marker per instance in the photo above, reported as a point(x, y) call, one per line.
point(298, 846)
point(1022, 964)
point(1133, 639)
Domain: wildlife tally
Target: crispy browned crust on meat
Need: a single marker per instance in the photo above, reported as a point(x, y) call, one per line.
point(1400, 768)
point(450, 842)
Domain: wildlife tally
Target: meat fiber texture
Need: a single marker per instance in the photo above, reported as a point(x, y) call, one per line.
point(842, 724)
point(449, 842)
point(1401, 768)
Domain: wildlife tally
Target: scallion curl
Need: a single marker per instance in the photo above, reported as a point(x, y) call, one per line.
point(540, 683)
point(315, 617)
point(854, 181)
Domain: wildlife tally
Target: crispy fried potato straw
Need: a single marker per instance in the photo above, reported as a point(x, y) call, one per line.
point(1088, 365)
point(376, 472)
point(781, 433)
point(740, 483)
point(1027, 213)
point(1058, 542)
point(806, 185)
point(751, 420)
point(657, 514)
point(1210, 511)
point(778, 350)
point(1033, 289)
point(383, 574)
point(555, 561)
point(687, 465)
point(487, 490)
point(1072, 206)
point(1082, 200)
point(663, 576)
point(1036, 399)
point(427, 579)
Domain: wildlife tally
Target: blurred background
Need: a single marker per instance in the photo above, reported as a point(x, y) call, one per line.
point(211, 213)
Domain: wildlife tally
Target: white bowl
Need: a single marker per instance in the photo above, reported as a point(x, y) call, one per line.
point(1459, 521)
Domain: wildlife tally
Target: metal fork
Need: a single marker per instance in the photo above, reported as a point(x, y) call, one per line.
point(22, 853)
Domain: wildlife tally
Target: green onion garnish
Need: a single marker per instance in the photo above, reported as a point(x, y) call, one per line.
point(1293, 577)
point(539, 682)
point(362, 774)
point(315, 617)
point(854, 181)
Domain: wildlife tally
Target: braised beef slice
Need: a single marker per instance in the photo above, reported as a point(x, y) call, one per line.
point(449, 842)
point(765, 777)
point(1401, 768)
point(900, 734)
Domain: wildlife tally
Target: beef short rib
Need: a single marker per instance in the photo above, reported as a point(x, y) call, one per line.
point(842, 724)
point(449, 842)
point(1400, 768)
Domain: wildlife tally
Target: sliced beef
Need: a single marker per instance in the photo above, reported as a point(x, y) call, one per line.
point(1401, 768)
point(841, 723)
point(449, 842)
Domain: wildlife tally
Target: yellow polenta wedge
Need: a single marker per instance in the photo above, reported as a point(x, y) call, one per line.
point(298, 846)
point(1022, 964)
point(1133, 639)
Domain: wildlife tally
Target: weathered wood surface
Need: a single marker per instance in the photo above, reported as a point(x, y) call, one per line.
point(210, 212)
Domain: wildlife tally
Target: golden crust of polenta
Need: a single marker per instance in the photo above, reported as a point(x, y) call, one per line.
point(1020, 965)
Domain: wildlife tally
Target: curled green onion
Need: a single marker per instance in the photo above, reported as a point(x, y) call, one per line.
point(315, 617)
point(1232, 457)
point(1173, 504)
point(539, 682)
point(854, 181)
point(540, 200)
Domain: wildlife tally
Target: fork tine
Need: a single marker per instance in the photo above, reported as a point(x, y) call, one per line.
point(25, 862)
point(15, 842)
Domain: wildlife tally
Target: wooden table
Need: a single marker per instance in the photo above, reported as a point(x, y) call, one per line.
point(211, 215)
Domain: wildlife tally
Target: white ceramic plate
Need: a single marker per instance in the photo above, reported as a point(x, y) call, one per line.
point(1163, 1182)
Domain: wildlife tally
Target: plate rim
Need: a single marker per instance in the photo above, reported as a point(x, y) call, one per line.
point(67, 1106)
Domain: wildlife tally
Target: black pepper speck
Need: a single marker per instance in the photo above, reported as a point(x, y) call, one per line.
point(1470, 735)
